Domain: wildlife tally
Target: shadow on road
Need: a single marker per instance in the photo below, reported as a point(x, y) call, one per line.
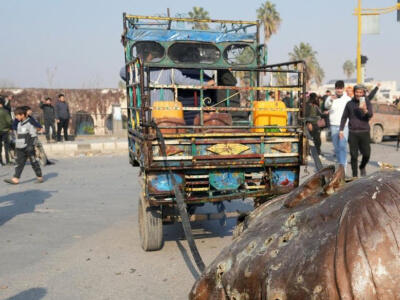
point(31, 294)
point(188, 260)
point(19, 203)
point(45, 177)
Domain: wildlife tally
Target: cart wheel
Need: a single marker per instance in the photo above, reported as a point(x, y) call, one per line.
point(150, 226)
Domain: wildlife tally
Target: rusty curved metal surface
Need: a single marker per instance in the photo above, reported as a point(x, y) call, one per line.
point(322, 241)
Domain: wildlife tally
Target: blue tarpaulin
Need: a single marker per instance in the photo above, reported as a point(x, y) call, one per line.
point(188, 35)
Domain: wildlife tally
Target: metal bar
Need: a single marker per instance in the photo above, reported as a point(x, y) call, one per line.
point(189, 20)
point(255, 187)
point(237, 88)
point(269, 155)
point(196, 182)
point(201, 98)
point(196, 176)
point(231, 141)
point(162, 158)
point(205, 165)
point(227, 127)
point(172, 142)
point(216, 134)
point(243, 156)
point(197, 189)
point(212, 108)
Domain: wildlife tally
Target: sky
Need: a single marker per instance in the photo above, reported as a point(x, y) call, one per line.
point(76, 43)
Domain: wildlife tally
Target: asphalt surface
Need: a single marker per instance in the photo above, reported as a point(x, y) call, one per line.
point(76, 235)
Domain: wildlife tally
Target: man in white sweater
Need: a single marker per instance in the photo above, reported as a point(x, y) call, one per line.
point(336, 104)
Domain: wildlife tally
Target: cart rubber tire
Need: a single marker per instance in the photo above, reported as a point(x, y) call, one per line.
point(377, 134)
point(150, 226)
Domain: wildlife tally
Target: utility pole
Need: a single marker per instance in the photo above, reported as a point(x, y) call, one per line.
point(359, 12)
point(359, 42)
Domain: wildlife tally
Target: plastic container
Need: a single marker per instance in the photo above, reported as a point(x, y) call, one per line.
point(269, 113)
point(176, 113)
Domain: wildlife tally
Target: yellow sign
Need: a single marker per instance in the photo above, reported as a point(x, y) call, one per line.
point(228, 149)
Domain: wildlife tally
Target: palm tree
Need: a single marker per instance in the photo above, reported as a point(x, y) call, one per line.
point(270, 18)
point(199, 13)
point(305, 52)
point(349, 68)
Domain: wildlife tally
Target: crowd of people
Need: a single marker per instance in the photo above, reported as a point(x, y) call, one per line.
point(346, 113)
point(19, 132)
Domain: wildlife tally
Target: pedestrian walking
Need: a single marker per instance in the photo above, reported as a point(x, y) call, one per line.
point(24, 147)
point(49, 117)
point(336, 104)
point(358, 112)
point(313, 117)
point(5, 128)
point(62, 117)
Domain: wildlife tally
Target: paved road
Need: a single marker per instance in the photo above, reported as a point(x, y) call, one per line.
point(76, 237)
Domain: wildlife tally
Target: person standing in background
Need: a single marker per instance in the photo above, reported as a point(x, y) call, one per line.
point(49, 117)
point(349, 91)
point(288, 100)
point(325, 110)
point(313, 114)
point(5, 128)
point(358, 111)
point(335, 105)
point(62, 117)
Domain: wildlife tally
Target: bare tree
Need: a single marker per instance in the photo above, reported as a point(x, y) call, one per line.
point(50, 74)
point(7, 84)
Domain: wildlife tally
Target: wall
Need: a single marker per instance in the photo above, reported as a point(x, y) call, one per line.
point(95, 102)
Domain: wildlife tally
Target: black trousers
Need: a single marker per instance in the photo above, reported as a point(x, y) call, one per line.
point(47, 125)
point(62, 125)
point(359, 141)
point(22, 156)
point(316, 135)
point(4, 139)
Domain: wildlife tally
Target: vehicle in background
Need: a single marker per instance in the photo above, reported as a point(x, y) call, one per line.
point(384, 122)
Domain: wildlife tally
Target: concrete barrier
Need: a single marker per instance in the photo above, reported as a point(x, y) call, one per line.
point(69, 149)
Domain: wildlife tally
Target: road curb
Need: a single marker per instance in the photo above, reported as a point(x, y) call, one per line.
point(88, 149)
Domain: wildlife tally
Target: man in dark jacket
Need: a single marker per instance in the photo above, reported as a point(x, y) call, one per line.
point(49, 117)
point(5, 127)
point(358, 111)
point(62, 117)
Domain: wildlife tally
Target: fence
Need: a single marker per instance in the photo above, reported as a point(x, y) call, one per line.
point(86, 123)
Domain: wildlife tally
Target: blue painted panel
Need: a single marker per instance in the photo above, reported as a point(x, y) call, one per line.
point(162, 182)
point(226, 180)
point(284, 178)
point(163, 35)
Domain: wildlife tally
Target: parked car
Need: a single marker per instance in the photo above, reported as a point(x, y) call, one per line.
point(385, 121)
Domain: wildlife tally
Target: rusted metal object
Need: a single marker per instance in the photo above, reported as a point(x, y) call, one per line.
point(322, 241)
